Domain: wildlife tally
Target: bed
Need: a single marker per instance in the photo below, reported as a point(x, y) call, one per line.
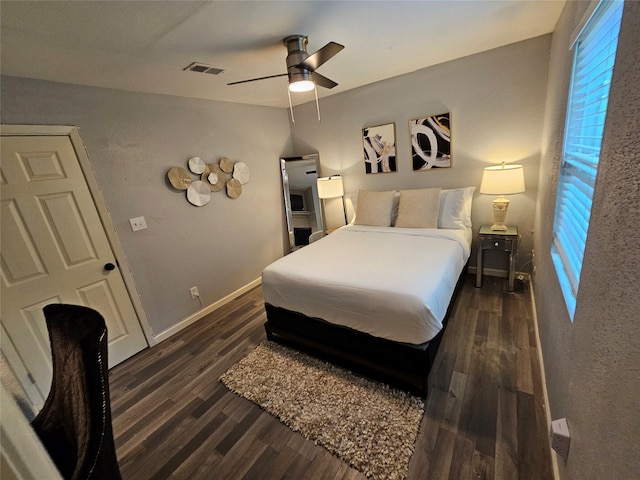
point(374, 297)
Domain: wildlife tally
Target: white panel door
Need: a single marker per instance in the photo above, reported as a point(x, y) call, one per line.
point(54, 250)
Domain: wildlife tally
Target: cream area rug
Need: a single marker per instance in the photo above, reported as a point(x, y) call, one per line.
point(369, 425)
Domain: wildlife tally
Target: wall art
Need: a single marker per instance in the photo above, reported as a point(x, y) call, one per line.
point(212, 177)
point(431, 142)
point(379, 144)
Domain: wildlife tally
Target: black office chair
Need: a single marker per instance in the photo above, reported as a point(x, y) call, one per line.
point(75, 422)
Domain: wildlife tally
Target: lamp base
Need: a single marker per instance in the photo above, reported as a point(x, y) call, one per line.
point(498, 227)
point(500, 207)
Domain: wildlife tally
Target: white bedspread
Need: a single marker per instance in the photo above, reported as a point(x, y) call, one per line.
point(394, 283)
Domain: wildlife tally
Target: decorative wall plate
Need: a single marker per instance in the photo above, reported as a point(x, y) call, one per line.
point(241, 172)
point(226, 165)
point(198, 193)
point(234, 188)
point(179, 178)
point(197, 165)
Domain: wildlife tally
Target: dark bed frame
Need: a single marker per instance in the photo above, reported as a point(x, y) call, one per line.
point(402, 365)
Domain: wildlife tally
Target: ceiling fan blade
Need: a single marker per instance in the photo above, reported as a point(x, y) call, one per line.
point(256, 79)
point(313, 61)
point(323, 81)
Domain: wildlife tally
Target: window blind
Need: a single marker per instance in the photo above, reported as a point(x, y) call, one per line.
point(594, 57)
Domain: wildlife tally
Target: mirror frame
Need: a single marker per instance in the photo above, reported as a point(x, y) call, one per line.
point(319, 213)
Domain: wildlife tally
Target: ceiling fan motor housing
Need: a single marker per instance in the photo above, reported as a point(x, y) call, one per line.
point(297, 53)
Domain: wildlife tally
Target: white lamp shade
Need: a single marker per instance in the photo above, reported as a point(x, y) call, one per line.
point(330, 187)
point(502, 180)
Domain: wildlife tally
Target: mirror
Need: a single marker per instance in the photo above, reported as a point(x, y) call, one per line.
point(301, 202)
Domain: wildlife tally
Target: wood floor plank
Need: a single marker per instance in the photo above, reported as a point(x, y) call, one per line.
point(442, 455)
point(461, 464)
point(186, 450)
point(506, 458)
point(526, 418)
point(231, 439)
point(484, 416)
point(482, 466)
point(433, 415)
point(130, 429)
point(455, 401)
point(460, 342)
point(262, 464)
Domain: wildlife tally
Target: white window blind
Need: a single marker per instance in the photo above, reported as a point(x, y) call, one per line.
point(594, 57)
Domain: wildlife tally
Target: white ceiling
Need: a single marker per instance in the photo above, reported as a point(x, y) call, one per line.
point(144, 45)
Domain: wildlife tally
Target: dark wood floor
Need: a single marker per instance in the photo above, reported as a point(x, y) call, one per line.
point(484, 416)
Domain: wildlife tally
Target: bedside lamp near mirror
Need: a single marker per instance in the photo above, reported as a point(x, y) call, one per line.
point(331, 191)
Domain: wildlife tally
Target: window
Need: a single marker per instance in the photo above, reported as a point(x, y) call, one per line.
point(594, 56)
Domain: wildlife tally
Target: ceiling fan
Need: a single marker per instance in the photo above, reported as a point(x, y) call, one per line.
point(301, 66)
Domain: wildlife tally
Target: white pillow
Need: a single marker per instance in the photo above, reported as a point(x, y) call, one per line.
point(418, 208)
point(374, 208)
point(455, 208)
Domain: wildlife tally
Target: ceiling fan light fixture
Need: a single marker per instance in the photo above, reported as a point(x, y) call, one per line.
point(301, 86)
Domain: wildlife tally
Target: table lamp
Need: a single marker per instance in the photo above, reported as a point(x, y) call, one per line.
point(502, 180)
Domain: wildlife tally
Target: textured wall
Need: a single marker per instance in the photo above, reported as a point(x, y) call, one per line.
point(593, 364)
point(132, 140)
point(496, 100)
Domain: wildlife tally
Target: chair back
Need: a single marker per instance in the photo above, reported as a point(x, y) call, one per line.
point(75, 422)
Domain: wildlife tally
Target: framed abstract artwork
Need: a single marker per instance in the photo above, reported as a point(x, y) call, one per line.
point(431, 142)
point(379, 144)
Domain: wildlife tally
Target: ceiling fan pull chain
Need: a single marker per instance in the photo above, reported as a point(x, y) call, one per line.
point(293, 120)
point(315, 89)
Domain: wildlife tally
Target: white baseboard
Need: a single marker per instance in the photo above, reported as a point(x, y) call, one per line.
point(203, 313)
point(545, 395)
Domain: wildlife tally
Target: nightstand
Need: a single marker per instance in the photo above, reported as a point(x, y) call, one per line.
point(504, 241)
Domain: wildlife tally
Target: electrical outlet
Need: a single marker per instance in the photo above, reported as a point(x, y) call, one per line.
point(194, 292)
point(138, 223)
point(560, 438)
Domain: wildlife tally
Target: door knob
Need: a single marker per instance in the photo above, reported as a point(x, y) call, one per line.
point(109, 266)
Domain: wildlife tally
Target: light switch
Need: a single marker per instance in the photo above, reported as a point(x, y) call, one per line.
point(138, 223)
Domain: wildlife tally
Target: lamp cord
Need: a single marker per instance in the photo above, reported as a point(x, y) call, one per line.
point(293, 120)
point(315, 89)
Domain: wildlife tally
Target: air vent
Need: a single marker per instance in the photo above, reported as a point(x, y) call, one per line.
point(202, 68)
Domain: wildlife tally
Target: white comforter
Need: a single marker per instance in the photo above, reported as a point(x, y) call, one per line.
point(394, 283)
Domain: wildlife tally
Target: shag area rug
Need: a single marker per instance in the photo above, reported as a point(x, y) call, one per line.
point(370, 425)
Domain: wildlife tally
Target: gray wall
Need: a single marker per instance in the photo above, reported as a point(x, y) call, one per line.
point(132, 140)
point(496, 100)
point(593, 364)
